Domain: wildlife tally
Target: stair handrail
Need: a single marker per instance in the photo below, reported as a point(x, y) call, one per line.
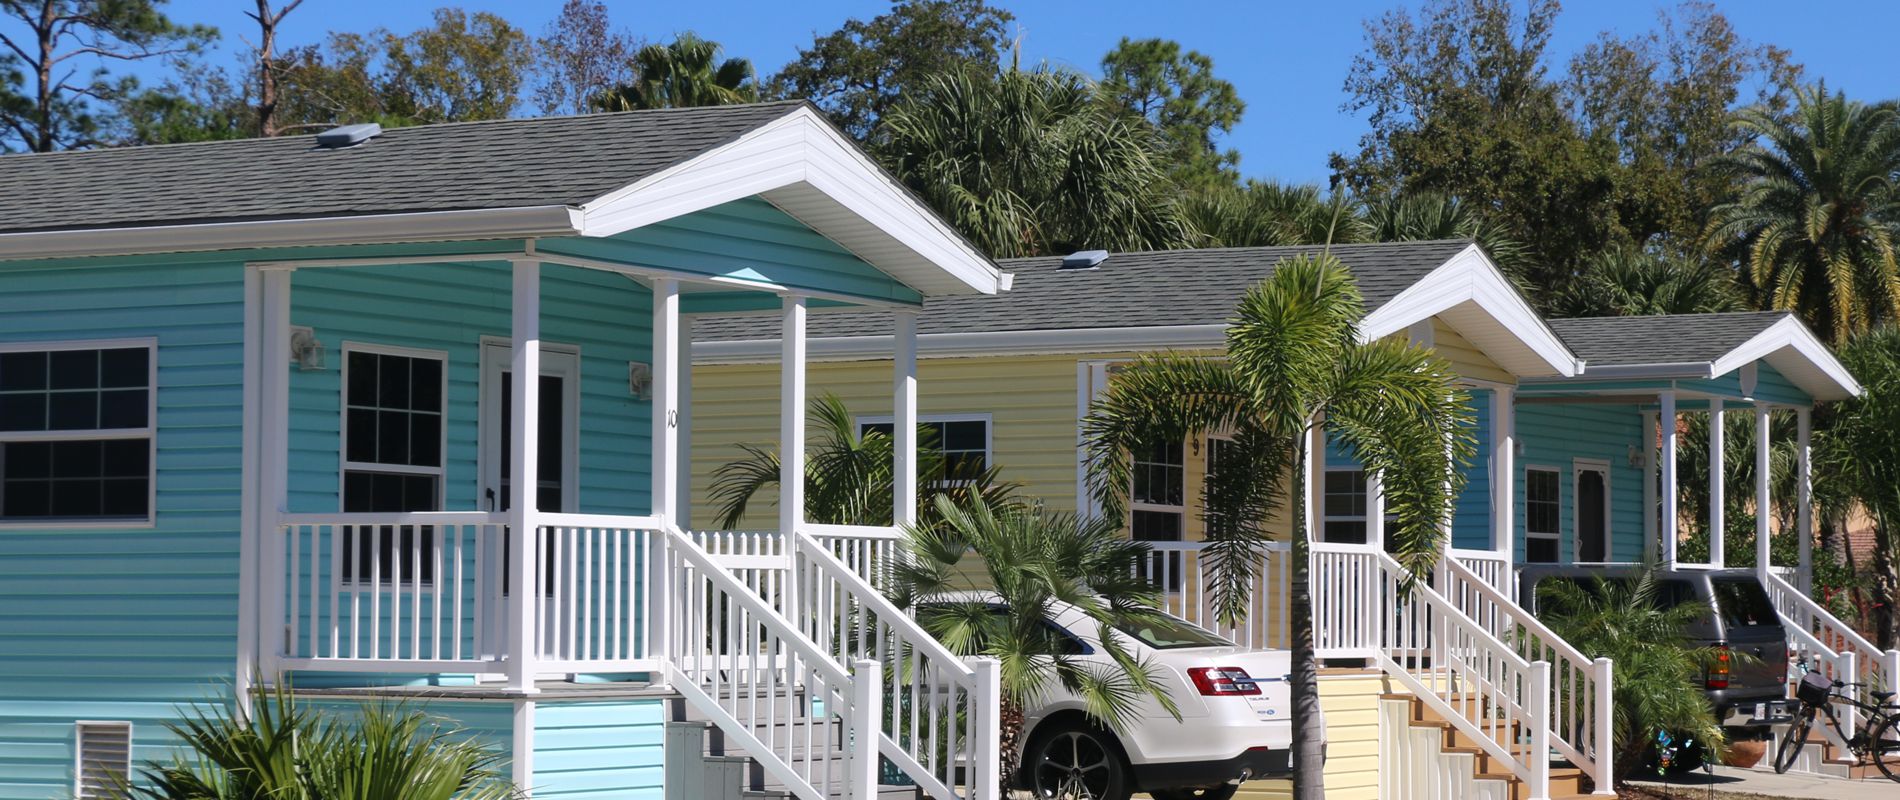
point(1783, 595)
point(1581, 686)
point(855, 697)
point(1457, 642)
point(979, 679)
point(1859, 661)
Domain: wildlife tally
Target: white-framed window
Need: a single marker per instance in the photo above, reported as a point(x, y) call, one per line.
point(1345, 505)
point(393, 439)
point(1158, 496)
point(78, 441)
point(1543, 525)
point(962, 439)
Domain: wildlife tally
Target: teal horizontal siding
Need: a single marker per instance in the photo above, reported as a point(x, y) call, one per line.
point(599, 750)
point(1557, 435)
point(1471, 514)
point(128, 624)
point(747, 239)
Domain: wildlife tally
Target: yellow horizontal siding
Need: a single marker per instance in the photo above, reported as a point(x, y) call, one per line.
point(1466, 359)
point(1351, 703)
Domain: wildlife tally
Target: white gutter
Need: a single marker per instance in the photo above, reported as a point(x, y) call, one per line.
point(1072, 340)
point(431, 226)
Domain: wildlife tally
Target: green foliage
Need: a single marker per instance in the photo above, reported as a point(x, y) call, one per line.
point(1627, 281)
point(1657, 680)
point(1426, 216)
point(849, 473)
point(684, 73)
point(986, 552)
point(197, 105)
point(1267, 213)
point(1176, 92)
point(284, 752)
point(1860, 448)
point(1029, 162)
point(860, 71)
point(464, 67)
point(1814, 215)
point(1460, 101)
point(581, 55)
point(49, 103)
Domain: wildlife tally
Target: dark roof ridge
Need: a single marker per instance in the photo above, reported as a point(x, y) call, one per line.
point(1252, 247)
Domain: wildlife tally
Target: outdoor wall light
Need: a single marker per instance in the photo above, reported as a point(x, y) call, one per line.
point(1635, 457)
point(305, 349)
point(640, 380)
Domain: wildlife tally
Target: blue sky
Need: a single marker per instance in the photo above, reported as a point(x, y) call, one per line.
point(1288, 59)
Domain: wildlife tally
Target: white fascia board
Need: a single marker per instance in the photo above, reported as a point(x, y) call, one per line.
point(1686, 370)
point(945, 345)
point(1470, 276)
point(1798, 354)
point(801, 150)
point(431, 226)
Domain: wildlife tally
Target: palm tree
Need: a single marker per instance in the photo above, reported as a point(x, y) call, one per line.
point(1629, 281)
point(1424, 216)
point(1026, 560)
point(1293, 360)
point(1859, 446)
point(849, 473)
point(684, 73)
point(1267, 213)
point(1812, 221)
point(283, 752)
point(1658, 681)
point(1031, 162)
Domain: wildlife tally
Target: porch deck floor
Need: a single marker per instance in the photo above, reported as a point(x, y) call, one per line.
point(1757, 782)
point(549, 690)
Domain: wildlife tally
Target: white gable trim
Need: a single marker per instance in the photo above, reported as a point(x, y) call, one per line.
point(1798, 355)
point(801, 164)
point(1469, 280)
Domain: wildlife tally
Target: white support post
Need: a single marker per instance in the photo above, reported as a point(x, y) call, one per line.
point(274, 462)
point(1667, 534)
point(867, 715)
point(1804, 500)
point(1375, 508)
point(683, 432)
point(791, 419)
point(1540, 719)
point(1605, 733)
point(1764, 503)
point(1315, 479)
point(1504, 478)
point(1718, 555)
point(524, 478)
point(904, 418)
point(1651, 536)
point(986, 777)
point(666, 406)
point(250, 528)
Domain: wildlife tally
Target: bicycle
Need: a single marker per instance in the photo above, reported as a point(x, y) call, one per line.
point(1877, 738)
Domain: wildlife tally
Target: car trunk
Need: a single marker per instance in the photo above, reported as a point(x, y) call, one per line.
point(1752, 630)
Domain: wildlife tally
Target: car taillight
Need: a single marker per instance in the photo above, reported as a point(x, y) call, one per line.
point(1215, 681)
point(1718, 671)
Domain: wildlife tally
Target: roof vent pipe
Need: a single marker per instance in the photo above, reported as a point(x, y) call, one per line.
point(348, 135)
point(1084, 259)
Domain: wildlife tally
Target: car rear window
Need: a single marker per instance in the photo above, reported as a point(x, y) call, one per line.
point(1743, 604)
point(1167, 633)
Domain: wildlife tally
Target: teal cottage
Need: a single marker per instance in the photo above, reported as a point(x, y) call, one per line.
point(261, 420)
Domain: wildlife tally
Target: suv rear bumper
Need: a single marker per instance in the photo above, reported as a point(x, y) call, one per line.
point(1258, 762)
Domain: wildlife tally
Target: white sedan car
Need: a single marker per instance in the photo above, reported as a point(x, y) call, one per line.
point(1236, 720)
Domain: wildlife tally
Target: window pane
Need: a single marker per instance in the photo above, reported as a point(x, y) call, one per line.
point(425, 392)
point(75, 369)
point(27, 499)
point(1344, 531)
point(75, 411)
point(362, 379)
point(965, 435)
point(76, 498)
point(125, 408)
point(362, 444)
point(125, 497)
point(22, 371)
point(392, 437)
point(127, 458)
point(1156, 526)
point(28, 460)
point(124, 367)
point(22, 412)
point(392, 382)
point(78, 460)
point(1540, 551)
point(425, 440)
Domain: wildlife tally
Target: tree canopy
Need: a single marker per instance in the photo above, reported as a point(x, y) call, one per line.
point(1175, 91)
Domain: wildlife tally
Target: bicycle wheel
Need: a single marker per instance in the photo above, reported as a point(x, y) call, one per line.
point(1884, 748)
point(1796, 737)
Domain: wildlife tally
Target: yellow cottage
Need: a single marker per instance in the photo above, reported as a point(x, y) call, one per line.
point(1006, 380)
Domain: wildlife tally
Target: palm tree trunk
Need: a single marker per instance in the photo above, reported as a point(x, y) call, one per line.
point(1009, 761)
point(1309, 731)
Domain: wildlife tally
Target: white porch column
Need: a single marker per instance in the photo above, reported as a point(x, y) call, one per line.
point(1316, 480)
point(524, 478)
point(1651, 536)
point(1718, 556)
point(683, 432)
point(1375, 508)
point(791, 419)
point(1667, 524)
point(904, 417)
point(1763, 503)
point(1804, 500)
point(274, 461)
point(1504, 474)
point(666, 405)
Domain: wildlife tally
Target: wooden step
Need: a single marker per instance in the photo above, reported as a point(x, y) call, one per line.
point(1565, 782)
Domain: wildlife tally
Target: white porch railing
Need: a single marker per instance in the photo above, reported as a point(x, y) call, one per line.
point(1830, 645)
point(1580, 687)
point(1180, 570)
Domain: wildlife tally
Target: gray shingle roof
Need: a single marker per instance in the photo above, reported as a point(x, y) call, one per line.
point(456, 166)
point(1145, 289)
point(1674, 339)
